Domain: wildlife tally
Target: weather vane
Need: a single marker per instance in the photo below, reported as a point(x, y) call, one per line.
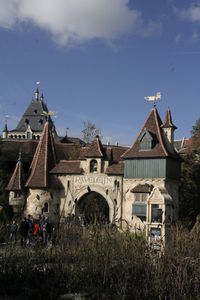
point(154, 98)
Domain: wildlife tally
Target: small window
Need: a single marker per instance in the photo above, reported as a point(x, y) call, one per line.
point(146, 141)
point(46, 207)
point(28, 135)
point(93, 166)
point(27, 121)
point(11, 136)
point(38, 137)
point(139, 209)
point(35, 111)
point(141, 197)
point(41, 121)
point(19, 136)
point(17, 194)
point(24, 136)
point(156, 213)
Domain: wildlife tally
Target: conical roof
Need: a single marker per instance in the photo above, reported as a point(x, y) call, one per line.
point(17, 180)
point(168, 120)
point(43, 161)
point(159, 148)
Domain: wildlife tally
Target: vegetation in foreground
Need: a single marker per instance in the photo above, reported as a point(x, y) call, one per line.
point(102, 263)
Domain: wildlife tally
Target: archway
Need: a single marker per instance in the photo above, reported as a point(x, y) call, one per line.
point(92, 208)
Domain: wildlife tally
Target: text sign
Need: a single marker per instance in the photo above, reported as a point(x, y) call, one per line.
point(85, 180)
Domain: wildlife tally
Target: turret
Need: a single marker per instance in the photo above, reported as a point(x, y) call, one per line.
point(168, 127)
point(5, 131)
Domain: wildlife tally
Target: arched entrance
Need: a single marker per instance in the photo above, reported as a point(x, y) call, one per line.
point(92, 208)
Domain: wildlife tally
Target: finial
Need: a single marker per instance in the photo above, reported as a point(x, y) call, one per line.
point(37, 91)
point(154, 98)
point(20, 156)
point(67, 131)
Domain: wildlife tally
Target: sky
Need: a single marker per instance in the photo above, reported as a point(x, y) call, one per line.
point(96, 60)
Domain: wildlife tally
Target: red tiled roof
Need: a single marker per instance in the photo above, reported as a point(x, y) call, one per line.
point(142, 188)
point(160, 149)
point(95, 149)
point(17, 181)
point(168, 120)
point(115, 169)
point(67, 167)
point(43, 161)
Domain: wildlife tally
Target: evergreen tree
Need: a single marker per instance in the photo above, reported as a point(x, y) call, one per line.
point(6, 210)
point(189, 198)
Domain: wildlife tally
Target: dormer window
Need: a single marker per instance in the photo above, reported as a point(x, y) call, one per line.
point(93, 166)
point(41, 121)
point(35, 111)
point(146, 140)
point(27, 121)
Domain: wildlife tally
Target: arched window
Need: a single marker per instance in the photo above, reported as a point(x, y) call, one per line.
point(28, 135)
point(46, 207)
point(33, 137)
point(24, 137)
point(38, 137)
point(93, 166)
point(19, 136)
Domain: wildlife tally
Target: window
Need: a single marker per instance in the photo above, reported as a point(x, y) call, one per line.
point(35, 111)
point(93, 166)
point(139, 209)
point(17, 194)
point(141, 197)
point(146, 140)
point(46, 207)
point(27, 121)
point(156, 213)
point(28, 135)
point(139, 206)
point(41, 121)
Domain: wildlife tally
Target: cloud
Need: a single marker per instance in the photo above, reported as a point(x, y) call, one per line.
point(192, 13)
point(178, 38)
point(77, 21)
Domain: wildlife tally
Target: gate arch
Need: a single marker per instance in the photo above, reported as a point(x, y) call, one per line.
point(85, 190)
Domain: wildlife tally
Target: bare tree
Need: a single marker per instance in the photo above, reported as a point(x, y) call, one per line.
point(90, 131)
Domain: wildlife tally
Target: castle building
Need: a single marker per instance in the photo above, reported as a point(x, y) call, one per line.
point(135, 188)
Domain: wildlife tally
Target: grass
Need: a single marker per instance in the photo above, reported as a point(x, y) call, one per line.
point(102, 263)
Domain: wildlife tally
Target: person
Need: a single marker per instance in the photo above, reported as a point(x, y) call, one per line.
point(36, 232)
point(49, 229)
point(13, 231)
point(30, 222)
point(43, 228)
point(23, 229)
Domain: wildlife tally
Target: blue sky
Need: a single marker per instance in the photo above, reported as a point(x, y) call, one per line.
point(97, 59)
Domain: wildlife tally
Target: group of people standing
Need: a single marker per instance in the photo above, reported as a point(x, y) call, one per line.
point(33, 233)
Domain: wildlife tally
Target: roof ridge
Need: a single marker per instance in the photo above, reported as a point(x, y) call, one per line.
point(159, 132)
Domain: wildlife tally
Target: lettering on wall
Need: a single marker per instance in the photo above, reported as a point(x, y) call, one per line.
point(100, 180)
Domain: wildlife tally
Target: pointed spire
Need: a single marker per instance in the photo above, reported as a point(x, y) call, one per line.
point(42, 97)
point(17, 181)
point(5, 127)
point(36, 94)
point(168, 120)
point(43, 161)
